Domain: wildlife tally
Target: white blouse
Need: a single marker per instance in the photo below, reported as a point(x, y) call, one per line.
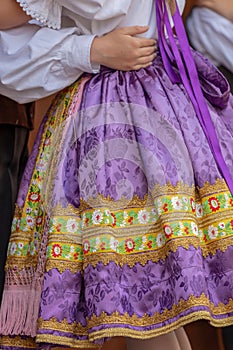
point(36, 61)
point(212, 35)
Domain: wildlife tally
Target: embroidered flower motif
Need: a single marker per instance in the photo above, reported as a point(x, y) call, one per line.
point(114, 244)
point(193, 205)
point(17, 228)
point(199, 210)
point(58, 228)
point(149, 244)
point(212, 232)
point(28, 210)
point(30, 220)
point(102, 246)
point(194, 228)
point(34, 197)
point(200, 234)
point(72, 225)
point(97, 217)
point(143, 216)
point(214, 204)
point(180, 232)
point(13, 248)
point(41, 166)
point(86, 247)
point(129, 245)
point(47, 141)
point(160, 240)
point(39, 220)
point(177, 203)
point(165, 207)
point(56, 250)
point(159, 206)
point(113, 219)
point(20, 245)
point(130, 220)
point(76, 255)
point(222, 225)
point(154, 212)
point(168, 231)
point(226, 197)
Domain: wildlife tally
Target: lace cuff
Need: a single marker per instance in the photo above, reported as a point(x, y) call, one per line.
point(48, 12)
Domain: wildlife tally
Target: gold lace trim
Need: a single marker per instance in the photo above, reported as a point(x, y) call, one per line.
point(134, 320)
point(158, 191)
point(145, 320)
point(17, 341)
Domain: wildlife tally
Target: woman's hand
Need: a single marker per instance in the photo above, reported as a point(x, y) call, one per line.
point(122, 50)
point(223, 7)
point(12, 15)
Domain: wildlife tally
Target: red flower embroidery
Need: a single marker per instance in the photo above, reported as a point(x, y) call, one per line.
point(130, 220)
point(76, 255)
point(86, 247)
point(34, 197)
point(86, 222)
point(102, 246)
point(58, 227)
point(214, 204)
point(56, 250)
point(193, 206)
point(168, 231)
point(165, 207)
point(114, 219)
point(129, 245)
point(149, 244)
point(39, 220)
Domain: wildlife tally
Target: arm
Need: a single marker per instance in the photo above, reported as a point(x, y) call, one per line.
point(11, 14)
point(37, 61)
point(189, 5)
point(222, 7)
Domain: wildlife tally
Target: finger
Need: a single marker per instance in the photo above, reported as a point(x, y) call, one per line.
point(146, 59)
point(146, 51)
point(134, 30)
point(144, 42)
point(140, 66)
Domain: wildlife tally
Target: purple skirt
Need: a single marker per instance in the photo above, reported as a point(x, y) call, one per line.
point(124, 224)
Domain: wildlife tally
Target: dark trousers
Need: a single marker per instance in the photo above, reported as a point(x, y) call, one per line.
point(13, 155)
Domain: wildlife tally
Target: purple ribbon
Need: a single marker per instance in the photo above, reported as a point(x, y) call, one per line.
point(183, 59)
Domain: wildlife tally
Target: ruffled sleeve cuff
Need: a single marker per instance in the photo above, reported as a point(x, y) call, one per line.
point(47, 12)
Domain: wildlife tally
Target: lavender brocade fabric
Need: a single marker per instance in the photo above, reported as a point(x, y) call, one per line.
point(140, 230)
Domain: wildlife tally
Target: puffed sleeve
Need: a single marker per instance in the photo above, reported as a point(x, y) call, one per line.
point(36, 62)
point(49, 12)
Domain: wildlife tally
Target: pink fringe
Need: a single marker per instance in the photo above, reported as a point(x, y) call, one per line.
point(19, 311)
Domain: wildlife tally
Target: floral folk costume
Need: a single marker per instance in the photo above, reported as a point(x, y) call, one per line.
point(124, 220)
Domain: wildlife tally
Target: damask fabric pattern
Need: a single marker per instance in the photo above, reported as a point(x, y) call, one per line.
point(124, 225)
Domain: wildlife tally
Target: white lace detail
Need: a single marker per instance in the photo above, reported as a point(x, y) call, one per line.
point(47, 15)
